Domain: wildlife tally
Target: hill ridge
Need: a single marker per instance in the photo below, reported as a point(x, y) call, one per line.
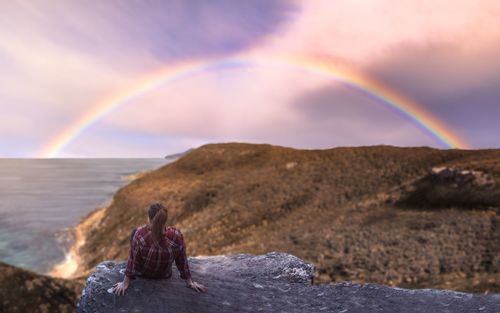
point(333, 207)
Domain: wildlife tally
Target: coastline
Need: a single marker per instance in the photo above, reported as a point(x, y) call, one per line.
point(131, 177)
point(70, 267)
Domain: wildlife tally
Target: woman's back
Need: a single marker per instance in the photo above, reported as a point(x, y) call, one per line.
point(152, 259)
point(153, 248)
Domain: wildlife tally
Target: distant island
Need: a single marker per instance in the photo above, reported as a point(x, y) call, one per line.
point(178, 155)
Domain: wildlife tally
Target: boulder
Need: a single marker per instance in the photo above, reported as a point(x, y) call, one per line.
point(461, 177)
point(274, 282)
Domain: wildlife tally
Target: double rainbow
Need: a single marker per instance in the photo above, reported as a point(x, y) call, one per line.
point(423, 119)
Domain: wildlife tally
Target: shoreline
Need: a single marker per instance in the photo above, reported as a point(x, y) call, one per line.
point(131, 177)
point(70, 267)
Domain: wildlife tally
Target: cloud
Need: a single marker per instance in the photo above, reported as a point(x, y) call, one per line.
point(104, 141)
point(362, 32)
point(443, 55)
point(167, 30)
point(58, 59)
point(460, 89)
point(239, 103)
point(282, 107)
point(337, 115)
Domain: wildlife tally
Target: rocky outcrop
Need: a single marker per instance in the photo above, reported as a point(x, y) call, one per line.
point(446, 187)
point(457, 177)
point(274, 282)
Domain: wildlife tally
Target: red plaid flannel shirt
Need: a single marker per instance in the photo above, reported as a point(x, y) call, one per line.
point(149, 259)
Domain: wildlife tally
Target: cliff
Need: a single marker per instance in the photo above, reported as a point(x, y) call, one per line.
point(275, 282)
point(366, 214)
point(24, 291)
point(407, 217)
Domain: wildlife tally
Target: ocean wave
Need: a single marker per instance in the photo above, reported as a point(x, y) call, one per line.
point(70, 266)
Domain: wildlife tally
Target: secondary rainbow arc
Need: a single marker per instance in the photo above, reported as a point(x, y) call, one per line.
point(423, 119)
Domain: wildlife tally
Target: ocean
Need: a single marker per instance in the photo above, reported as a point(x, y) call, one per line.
point(41, 199)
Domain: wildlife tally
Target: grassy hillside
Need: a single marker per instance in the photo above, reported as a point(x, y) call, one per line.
point(24, 291)
point(343, 209)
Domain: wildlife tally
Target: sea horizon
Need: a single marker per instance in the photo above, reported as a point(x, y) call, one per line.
point(43, 199)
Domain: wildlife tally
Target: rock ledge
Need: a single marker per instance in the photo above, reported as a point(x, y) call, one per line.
point(274, 282)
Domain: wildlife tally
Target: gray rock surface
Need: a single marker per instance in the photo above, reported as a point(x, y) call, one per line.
point(274, 282)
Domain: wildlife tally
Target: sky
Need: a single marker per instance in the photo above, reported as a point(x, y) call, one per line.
point(62, 60)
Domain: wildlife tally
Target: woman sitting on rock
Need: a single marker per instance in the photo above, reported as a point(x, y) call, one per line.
point(153, 248)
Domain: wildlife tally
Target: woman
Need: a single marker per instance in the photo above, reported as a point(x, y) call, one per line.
point(153, 248)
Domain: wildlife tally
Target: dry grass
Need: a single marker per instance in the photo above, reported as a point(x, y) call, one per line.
point(334, 207)
point(24, 291)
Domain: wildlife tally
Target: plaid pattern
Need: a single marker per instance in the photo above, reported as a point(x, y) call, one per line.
point(149, 259)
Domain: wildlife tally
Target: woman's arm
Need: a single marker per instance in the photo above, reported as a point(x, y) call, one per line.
point(134, 255)
point(133, 259)
point(182, 264)
point(196, 286)
point(120, 287)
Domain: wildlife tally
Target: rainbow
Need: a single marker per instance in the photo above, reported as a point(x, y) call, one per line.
point(317, 66)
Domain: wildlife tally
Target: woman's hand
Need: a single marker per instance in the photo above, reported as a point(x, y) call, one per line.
point(196, 286)
point(119, 288)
